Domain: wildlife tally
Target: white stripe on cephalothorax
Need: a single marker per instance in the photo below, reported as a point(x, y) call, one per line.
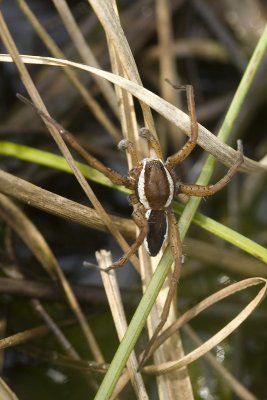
point(141, 185)
point(171, 186)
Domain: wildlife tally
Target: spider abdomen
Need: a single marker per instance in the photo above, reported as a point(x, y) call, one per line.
point(155, 186)
point(157, 231)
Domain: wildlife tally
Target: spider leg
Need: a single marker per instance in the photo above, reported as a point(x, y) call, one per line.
point(127, 145)
point(152, 140)
point(141, 221)
point(192, 141)
point(176, 247)
point(202, 191)
point(113, 176)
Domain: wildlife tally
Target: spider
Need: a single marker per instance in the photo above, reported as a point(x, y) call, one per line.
point(154, 185)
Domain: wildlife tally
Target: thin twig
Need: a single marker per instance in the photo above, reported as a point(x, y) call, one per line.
point(240, 390)
point(85, 51)
point(56, 52)
point(211, 143)
point(116, 307)
point(36, 243)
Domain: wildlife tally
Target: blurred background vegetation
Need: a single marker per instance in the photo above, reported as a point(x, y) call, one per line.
point(212, 42)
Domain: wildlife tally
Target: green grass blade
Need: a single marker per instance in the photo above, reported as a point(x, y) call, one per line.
point(231, 236)
point(51, 160)
point(135, 327)
point(161, 272)
point(228, 234)
point(228, 123)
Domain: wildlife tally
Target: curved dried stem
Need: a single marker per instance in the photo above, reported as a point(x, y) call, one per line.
point(209, 142)
point(219, 336)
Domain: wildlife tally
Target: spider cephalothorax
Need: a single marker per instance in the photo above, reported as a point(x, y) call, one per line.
point(155, 185)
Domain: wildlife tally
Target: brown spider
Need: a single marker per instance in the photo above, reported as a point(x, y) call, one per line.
point(155, 185)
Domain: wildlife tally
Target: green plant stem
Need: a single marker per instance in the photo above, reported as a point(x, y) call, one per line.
point(228, 234)
point(141, 314)
point(58, 162)
point(52, 160)
point(228, 124)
